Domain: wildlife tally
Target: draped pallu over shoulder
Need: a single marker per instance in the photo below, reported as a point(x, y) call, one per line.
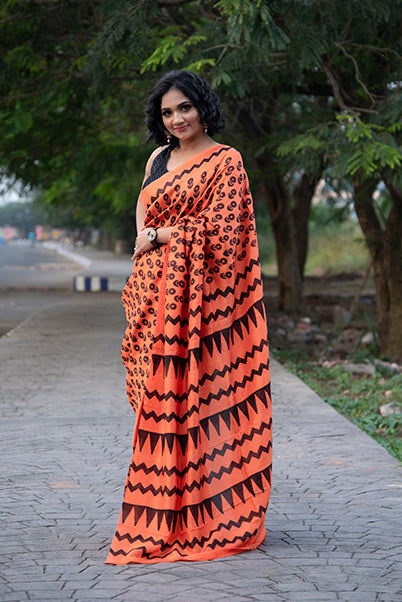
point(196, 355)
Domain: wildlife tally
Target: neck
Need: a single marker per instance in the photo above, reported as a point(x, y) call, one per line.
point(192, 146)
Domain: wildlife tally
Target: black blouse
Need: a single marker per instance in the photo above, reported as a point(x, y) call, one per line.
point(158, 166)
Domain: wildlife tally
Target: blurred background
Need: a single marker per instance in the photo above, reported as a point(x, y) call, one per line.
point(311, 91)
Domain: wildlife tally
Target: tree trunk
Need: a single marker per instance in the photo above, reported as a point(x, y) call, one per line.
point(385, 248)
point(393, 266)
point(290, 241)
point(303, 195)
point(289, 279)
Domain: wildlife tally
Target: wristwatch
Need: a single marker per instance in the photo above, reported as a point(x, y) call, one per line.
point(152, 235)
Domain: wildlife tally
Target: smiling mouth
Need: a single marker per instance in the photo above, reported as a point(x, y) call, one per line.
point(181, 129)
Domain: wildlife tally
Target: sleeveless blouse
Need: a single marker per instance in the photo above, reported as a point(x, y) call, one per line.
point(158, 168)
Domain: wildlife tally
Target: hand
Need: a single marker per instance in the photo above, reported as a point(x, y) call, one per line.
point(142, 243)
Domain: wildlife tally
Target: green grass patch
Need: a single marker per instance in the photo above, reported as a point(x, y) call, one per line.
point(336, 248)
point(333, 247)
point(358, 397)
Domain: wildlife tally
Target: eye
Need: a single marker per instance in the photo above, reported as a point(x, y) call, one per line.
point(165, 113)
point(186, 107)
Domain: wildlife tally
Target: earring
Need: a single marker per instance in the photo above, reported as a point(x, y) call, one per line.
point(168, 137)
point(205, 126)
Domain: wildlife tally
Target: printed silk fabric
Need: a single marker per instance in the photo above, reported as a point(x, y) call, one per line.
point(196, 355)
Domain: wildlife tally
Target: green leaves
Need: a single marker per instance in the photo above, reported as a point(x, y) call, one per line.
point(300, 144)
point(372, 158)
point(373, 147)
point(25, 59)
point(23, 120)
point(172, 48)
point(201, 65)
point(350, 146)
point(73, 82)
point(246, 19)
point(310, 47)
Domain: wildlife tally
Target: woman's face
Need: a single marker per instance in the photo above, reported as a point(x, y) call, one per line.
point(180, 117)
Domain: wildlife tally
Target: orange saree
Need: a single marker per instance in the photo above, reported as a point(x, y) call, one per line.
point(196, 356)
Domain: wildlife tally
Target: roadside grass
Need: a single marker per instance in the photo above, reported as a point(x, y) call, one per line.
point(333, 247)
point(358, 397)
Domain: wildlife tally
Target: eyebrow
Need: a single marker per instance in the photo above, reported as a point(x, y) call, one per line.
point(185, 102)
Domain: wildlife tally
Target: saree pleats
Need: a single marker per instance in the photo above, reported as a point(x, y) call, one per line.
point(196, 355)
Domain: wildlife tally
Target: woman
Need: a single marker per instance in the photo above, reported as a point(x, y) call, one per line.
point(195, 348)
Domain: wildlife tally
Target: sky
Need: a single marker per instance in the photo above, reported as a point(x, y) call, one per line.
point(11, 194)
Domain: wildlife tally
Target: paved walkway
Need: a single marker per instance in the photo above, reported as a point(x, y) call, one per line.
point(334, 521)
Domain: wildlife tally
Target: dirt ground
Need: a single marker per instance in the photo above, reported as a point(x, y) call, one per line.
point(333, 321)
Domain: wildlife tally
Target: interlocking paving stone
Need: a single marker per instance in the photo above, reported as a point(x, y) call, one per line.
point(66, 445)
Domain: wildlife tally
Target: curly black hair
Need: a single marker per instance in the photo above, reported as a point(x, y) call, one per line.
point(197, 90)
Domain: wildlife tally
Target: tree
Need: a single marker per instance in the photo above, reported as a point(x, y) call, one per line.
point(20, 215)
point(368, 154)
point(283, 67)
point(60, 133)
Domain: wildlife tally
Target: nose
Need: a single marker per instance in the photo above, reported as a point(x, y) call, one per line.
point(177, 117)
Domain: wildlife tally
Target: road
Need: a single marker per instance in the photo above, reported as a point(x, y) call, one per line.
point(24, 265)
point(31, 277)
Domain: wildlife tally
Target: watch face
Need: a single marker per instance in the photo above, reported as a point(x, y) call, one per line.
point(151, 235)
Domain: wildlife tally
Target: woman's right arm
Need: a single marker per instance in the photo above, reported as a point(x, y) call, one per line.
point(141, 211)
point(140, 215)
point(142, 243)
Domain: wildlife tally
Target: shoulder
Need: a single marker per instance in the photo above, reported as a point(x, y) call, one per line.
point(231, 156)
point(229, 151)
point(152, 158)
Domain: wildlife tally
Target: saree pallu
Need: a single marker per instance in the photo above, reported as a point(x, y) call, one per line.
point(197, 364)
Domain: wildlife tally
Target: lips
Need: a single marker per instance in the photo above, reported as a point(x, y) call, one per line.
point(181, 129)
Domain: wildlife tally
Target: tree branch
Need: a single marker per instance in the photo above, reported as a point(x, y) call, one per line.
point(173, 2)
point(375, 48)
point(24, 16)
point(37, 92)
point(337, 93)
point(357, 72)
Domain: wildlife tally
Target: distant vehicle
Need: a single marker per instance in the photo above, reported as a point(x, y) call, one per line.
point(43, 233)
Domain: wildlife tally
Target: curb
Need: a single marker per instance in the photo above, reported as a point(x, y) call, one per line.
point(84, 283)
point(95, 284)
point(54, 246)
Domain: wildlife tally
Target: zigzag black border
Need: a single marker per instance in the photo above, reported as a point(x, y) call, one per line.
point(165, 490)
point(239, 275)
point(181, 363)
point(238, 384)
point(216, 153)
point(195, 312)
point(152, 415)
point(196, 331)
point(195, 541)
point(205, 458)
point(214, 315)
point(207, 505)
point(194, 432)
